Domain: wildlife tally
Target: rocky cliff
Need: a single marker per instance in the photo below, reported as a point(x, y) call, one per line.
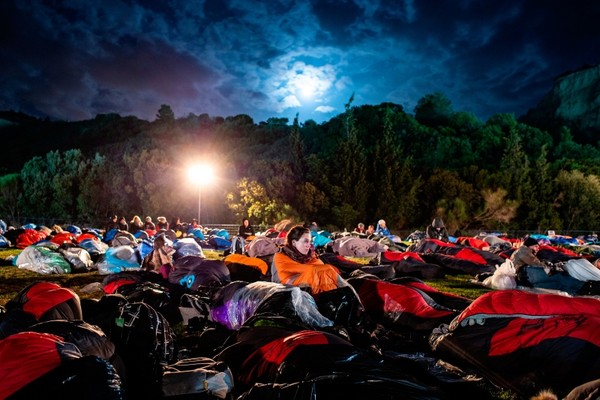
point(574, 101)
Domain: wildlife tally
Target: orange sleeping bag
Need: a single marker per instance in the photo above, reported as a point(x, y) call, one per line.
point(315, 274)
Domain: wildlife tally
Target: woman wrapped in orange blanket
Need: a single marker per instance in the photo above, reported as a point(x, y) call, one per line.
point(297, 264)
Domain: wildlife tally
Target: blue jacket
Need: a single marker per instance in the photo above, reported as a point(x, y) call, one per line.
point(382, 231)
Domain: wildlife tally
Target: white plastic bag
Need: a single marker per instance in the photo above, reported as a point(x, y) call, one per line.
point(505, 277)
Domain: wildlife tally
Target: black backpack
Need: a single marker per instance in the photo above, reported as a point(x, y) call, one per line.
point(146, 343)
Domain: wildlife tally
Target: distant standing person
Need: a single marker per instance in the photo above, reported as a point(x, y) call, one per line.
point(437, 230)
point(246, 230)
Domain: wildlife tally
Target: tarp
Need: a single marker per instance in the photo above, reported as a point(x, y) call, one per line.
point(454, 265)
point(118, 259)
point(187, 247)
point(42, 260)
point(89, 339)
point(238, 301)
point(409, 263)
point(263, 246)
point(79, 258)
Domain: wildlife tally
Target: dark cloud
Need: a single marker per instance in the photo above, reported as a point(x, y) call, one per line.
point(73, 60)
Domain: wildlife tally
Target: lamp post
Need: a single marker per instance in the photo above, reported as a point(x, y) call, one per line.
point(200, 174)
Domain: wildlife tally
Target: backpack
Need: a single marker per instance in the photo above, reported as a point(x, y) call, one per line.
point(146, 343)
point(197, 378)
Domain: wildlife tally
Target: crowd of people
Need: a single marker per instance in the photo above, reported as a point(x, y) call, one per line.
point(297, 252)
point(289, 265)
point(136, 225)
point(297, 262)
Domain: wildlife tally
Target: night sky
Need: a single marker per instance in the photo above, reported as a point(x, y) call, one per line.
point(72, 60)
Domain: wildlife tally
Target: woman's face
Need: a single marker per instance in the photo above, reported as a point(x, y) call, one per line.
point(302, 244)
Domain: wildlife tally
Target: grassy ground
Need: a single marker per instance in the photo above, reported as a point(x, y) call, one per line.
point(13, 279)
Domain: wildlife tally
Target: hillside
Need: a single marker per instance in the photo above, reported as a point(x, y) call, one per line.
point(573, 101)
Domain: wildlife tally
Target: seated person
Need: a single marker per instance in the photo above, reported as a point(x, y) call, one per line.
point(532, 272)
point(382, 229)
point(360, 229)
point(297, 264)
point(370, 230)
point(161, 224)
point(149, 225)
point(113, 223)
point(135, 225)
point(437, 230)
point(123, 225)
point(160, 259)
point(246, 230)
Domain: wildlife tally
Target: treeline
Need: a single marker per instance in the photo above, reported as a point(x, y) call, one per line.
point(367, 163)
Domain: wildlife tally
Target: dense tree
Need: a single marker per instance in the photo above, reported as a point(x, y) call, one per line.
point(578, 200)
point(349, 174)
point(369, 162)
point(537, 213)
point(394, 193)
point(445, 194)
point(451, 150)
point(10, 187)
point(497, 212)
point(165, 114)
point(251, 200)
point(155, 186)
point(96, 200)
point(297, 151)
point(434, 109)
point(51, 185)
point(515, 167)
point(571, 155)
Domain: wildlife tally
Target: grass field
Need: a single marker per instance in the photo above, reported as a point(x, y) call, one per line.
point(13, 279)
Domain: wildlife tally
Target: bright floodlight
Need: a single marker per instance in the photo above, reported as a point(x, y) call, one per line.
point(200, 174)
